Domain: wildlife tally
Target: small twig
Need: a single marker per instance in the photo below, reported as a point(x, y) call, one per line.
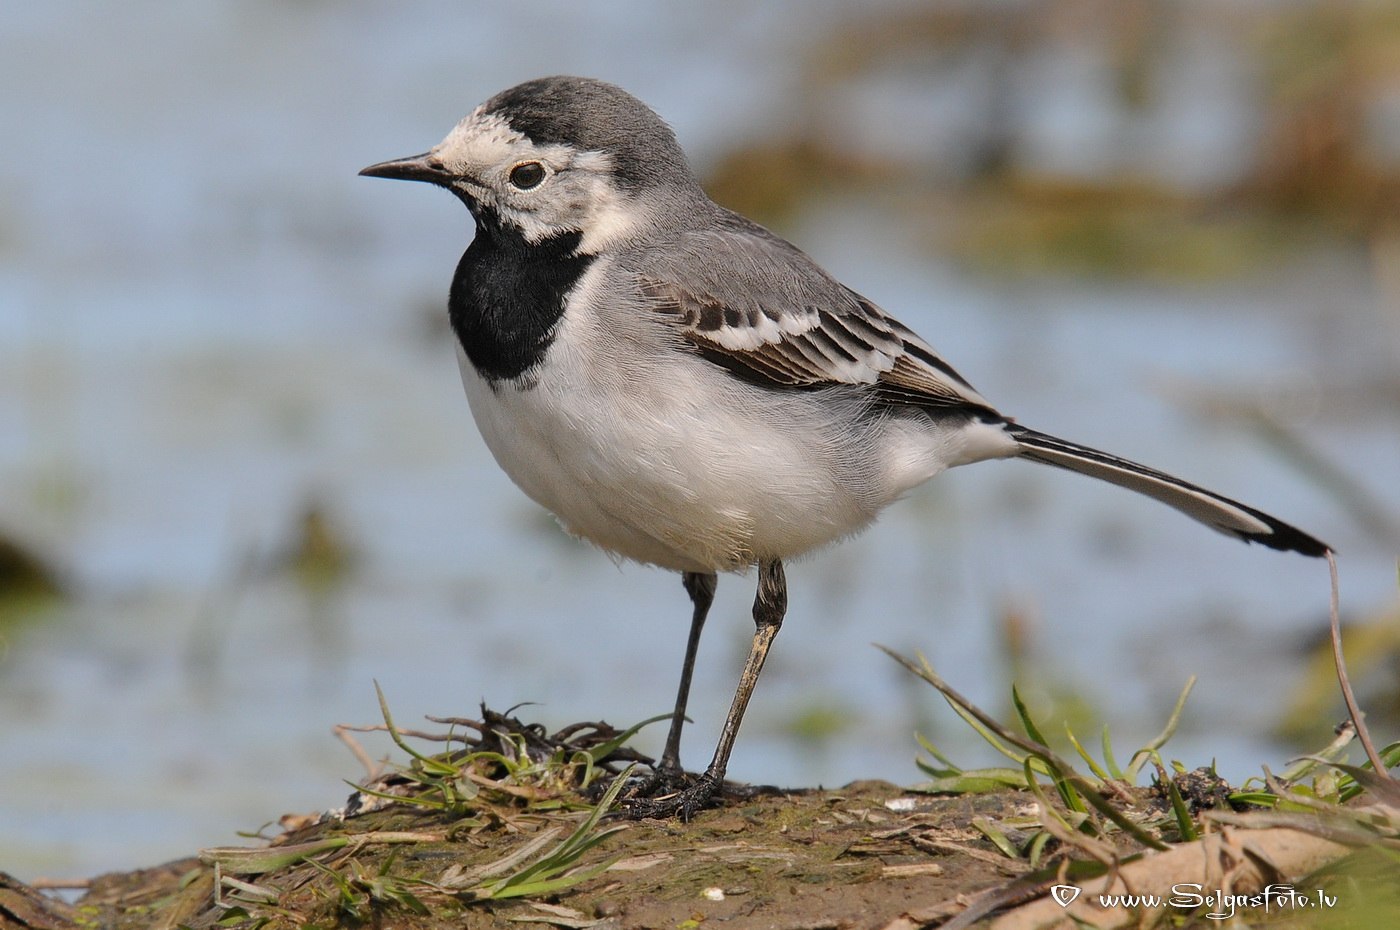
point(476, 725)
point(924, 842)
point(1353, 708)
point(599, 731)
point(60, 884)
point(416, 734)
point(1106, 854)
point(372, 768)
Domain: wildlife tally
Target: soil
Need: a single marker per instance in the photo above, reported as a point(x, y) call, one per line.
point(462, 839)
point(862, 856)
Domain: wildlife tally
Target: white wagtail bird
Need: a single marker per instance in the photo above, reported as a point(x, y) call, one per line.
point(683, 388)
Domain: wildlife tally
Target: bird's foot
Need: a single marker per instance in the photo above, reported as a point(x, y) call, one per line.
point(664, 778)
point(672, 793)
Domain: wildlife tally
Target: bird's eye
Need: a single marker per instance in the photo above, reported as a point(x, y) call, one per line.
point(527, 174)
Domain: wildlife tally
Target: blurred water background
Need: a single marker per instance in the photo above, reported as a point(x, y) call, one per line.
point(239, 483)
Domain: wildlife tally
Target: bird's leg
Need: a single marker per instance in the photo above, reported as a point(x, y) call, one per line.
point(769, 606)
point(701, 588)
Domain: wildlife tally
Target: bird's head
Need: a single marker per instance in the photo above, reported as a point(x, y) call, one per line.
point(558, 156)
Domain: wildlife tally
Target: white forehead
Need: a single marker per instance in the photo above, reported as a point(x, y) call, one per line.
point(476, 139)
point(486, 139)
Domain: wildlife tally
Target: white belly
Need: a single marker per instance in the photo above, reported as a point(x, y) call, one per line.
point(654, 481)
point(676, 487)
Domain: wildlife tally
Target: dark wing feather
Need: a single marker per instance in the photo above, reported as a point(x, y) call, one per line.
point(760, 308)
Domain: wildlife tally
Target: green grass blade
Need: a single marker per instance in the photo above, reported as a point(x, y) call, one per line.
point(239, 861)
point(1143, 755)
point(1184, 824)
point(991, 738)
point(1108, 758)
point(1031, 729)
point(600, 752)
point(555, 866)
point(412, 800)
point(506, 863)
point(1067, 791)
point(996, 837)
point(950, 767)
point(1037, 789)
point(429, 764)
point(973, 781)
point(1036, 848)
point(1036, 755)
point(1094, 767)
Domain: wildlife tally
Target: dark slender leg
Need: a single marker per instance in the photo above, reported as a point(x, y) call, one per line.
point(701, 588)
point(768, 609)
point(769, 606)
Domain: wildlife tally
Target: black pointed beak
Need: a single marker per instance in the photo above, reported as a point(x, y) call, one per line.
point(425, 167)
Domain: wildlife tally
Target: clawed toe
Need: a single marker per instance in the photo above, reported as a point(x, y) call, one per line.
point(663, 780)
point(684, 802)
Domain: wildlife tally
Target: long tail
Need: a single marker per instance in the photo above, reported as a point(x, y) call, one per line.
point(1219, 513)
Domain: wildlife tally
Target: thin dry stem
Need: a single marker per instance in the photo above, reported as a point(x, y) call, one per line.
point(1362, 733)
point(61, 884)
point(372, 768)
point(401, 731)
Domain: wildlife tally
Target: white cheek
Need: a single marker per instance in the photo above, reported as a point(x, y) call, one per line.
point(614, 219)
point(605, 217)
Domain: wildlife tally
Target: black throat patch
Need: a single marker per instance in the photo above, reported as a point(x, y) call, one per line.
point(508, 295)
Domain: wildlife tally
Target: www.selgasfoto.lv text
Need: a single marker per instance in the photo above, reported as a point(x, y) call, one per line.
point(1222, 904)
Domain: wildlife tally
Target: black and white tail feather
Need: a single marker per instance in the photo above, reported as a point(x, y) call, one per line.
point(1214, 510)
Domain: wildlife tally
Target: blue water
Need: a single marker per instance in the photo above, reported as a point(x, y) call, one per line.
point(206, 320)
